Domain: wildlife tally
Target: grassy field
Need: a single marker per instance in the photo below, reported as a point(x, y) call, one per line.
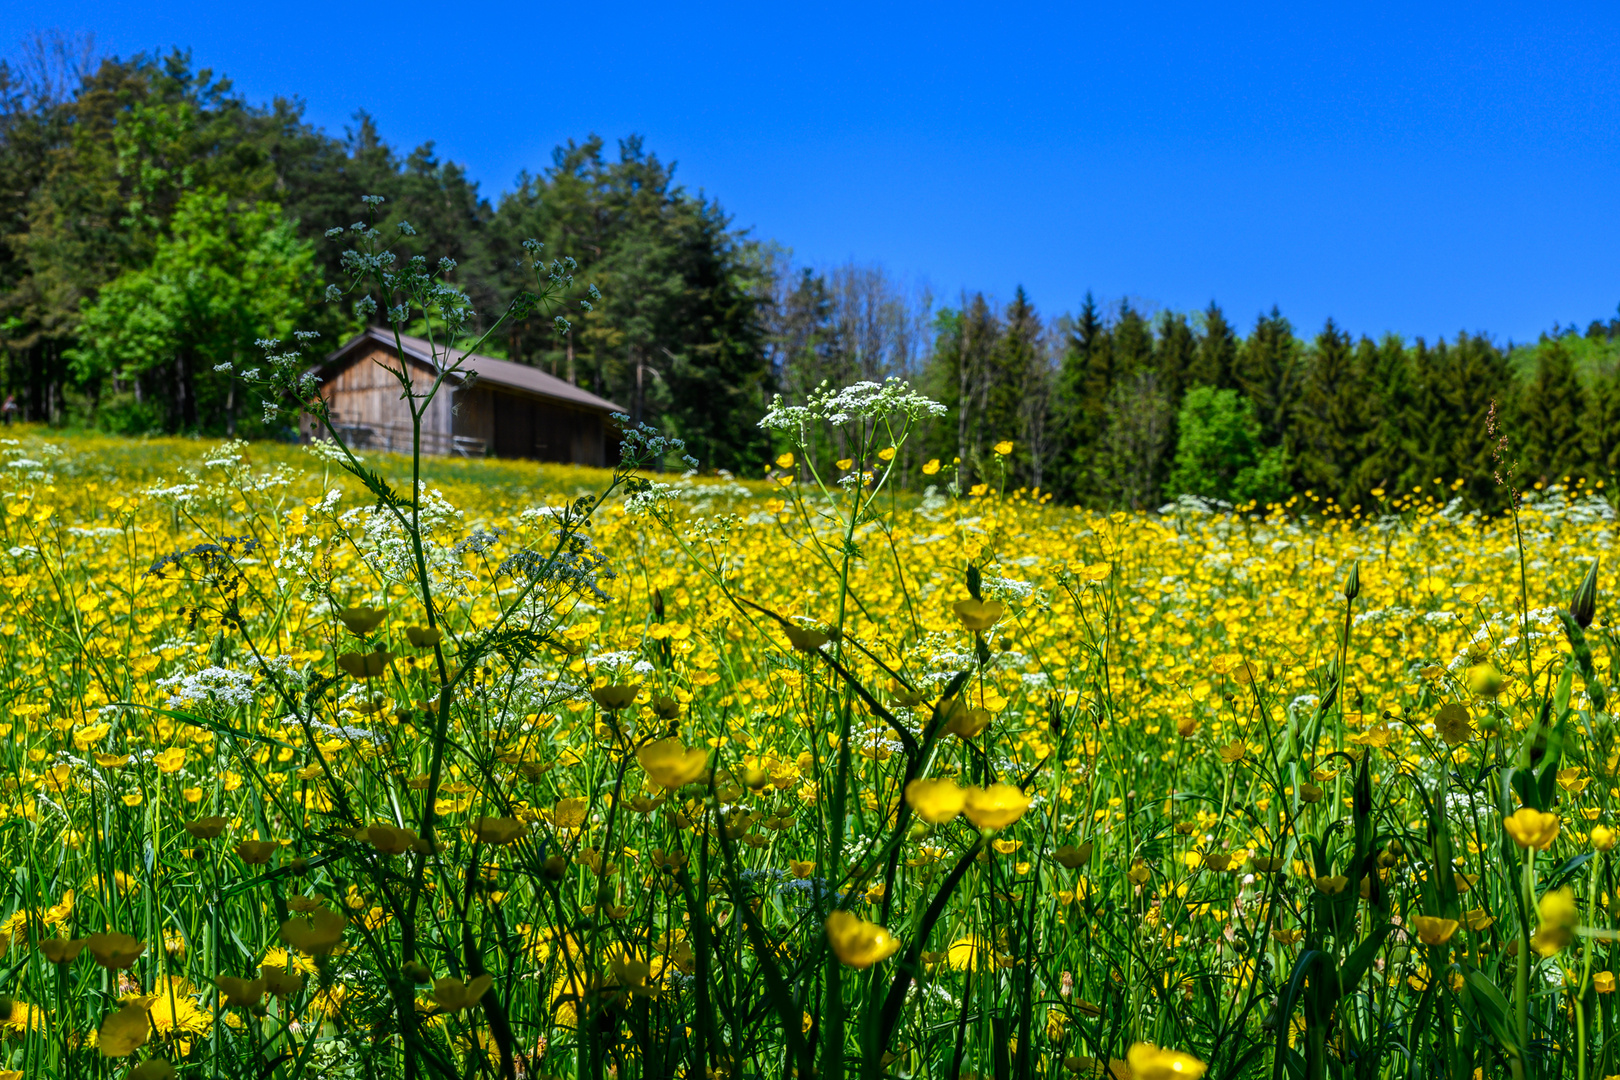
point(725, 779)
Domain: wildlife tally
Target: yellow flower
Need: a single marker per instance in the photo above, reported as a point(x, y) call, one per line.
point(316, 935)
point(569, 813)
point(979, 615)
point(931, 467)
point(453, 995)
point(1148, 1062)
point(1558, 918)
point(125, 1031)
point(170, 760)
point(669, 764)
point(1603, 982)
point(497, 831)
point(1603, 838)
point(205, 828)
point(362, 620)
point(977, 953)
point(255, 852)
point(1072, 858)
point(1432, 930)
point(996, 806)
point(785, 461)
point(1531, 828)
point(616, 696)
point(133, 799)
point(1453, 723)
point(936, 801)
point(241, 993)
point(1331, 886)
point(844, 463)
point(174, 1010)
point(1485, 681)
point(1004, 447)
point(857, 943)
point(114, 951)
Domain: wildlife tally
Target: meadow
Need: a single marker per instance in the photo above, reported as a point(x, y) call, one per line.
point(552, 772)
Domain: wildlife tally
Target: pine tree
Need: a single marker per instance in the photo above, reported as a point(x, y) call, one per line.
point(1175, 355)
point(1016, 394)
point(1457, 388)
point(1085, 378)
point(1388, 461)
point(1602, 427)
point(1335, 418)
point(1268, 374)
point(1216, 361)
point(1551, 407)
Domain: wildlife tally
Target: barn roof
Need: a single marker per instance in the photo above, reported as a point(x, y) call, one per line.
point(498, 373)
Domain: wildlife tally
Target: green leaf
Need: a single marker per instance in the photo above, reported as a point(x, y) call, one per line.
point(1494, 1009)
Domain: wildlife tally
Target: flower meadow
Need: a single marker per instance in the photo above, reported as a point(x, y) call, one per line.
point(725, 779)
point(323, 764)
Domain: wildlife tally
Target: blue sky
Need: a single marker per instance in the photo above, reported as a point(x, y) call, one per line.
point(1415, 168)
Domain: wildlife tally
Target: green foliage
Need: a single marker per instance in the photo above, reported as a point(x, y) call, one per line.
point(1220, 453)
point(223, 278)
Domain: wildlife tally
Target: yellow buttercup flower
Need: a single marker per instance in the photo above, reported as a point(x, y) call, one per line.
point(931, 467)
point(453, 995)
point(978, 615)
point(1149, 1062)
point(857, 943)
point(1531, 828)
point(1432, 930)
point(669, 764)
point(936, 801)
point(996, 806)
point(1004, 447)
point(1603, 838)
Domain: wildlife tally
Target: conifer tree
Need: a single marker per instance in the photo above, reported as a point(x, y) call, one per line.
point(1602, 427)
point(1268, 374)
point(1336, 419)
point(1549, 416)
point(1457, 386)
point(1386, 371)
point(1216, 360)
point(1085, 378)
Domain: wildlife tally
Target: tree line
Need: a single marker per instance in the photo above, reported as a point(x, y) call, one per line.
point(155, 225)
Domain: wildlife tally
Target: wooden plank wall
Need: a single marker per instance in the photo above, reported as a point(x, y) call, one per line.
point(362, 393)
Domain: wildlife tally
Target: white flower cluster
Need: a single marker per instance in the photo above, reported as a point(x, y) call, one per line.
point(862, 402)
point(223, 686)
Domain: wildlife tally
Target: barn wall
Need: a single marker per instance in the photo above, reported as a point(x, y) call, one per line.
point(366, 400)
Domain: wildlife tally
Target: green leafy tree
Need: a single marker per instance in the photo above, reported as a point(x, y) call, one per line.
point(1220, 453)
point(225, 277)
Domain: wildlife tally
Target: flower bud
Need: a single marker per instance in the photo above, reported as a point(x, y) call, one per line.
point(1352, 581)
point(1583, 605)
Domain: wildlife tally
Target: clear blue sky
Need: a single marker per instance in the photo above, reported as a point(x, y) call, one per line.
point(1416, 168)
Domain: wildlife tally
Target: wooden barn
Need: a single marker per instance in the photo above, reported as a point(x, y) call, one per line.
point(508, 410)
